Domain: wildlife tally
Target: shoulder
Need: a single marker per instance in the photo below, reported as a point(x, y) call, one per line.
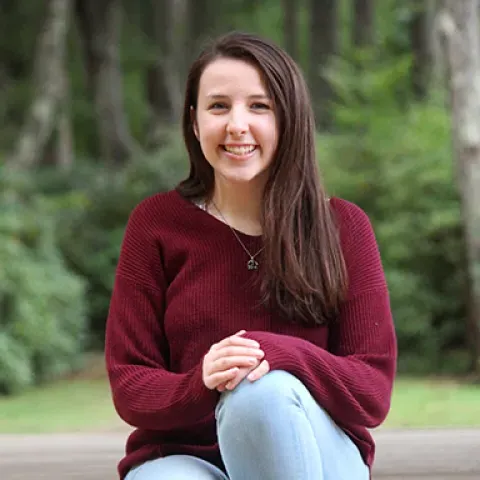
point(359, 246)
point(355, 228)
point(157, 209)
point(349, 215)
point(156, 204)
point(142, 247)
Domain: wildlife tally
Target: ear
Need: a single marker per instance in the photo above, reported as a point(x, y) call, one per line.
point(193, 119)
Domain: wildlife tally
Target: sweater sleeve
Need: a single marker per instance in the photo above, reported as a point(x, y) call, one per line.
point(353, 378)
point(145, 393)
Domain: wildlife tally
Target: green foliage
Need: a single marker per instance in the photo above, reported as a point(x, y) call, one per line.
point(42, 309)
point(393, 161)
point(60, 232)
point(91, 223)
point(17, 53)
point(396, 164)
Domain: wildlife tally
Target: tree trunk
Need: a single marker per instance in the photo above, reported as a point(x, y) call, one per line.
point(201, 19)
point(323, 44)
point(460, 27)
point(290, 27)
point(64, 154)
point(363, 23)
point(163, 76)
point(421, 48)
point(438, 68)
point(100, 24)
point(48, 71)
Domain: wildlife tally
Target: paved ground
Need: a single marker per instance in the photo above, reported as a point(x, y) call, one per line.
point(402, 454)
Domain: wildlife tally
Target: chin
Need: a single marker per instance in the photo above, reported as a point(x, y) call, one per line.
point(243, 176)
point(242, 179)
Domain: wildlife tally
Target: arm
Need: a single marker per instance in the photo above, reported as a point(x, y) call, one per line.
point(352, 380)
point(145, 393)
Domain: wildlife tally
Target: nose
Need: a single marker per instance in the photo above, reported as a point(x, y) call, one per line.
point(237, 122)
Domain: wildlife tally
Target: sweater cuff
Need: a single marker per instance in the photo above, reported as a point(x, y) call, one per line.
point(276, 351)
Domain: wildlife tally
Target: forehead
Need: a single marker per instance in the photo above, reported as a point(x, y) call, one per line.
point(227, 76)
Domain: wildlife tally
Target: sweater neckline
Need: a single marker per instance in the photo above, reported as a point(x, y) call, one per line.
point(216, 222)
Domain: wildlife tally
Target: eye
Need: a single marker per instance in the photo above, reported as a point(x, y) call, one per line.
point(260, 106)
point(217, 106)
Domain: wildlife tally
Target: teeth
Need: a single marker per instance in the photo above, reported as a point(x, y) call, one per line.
point(240, 150)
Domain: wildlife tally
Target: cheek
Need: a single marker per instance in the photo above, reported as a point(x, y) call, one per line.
point(270, 135)
point(209, 131)
point(208, 142)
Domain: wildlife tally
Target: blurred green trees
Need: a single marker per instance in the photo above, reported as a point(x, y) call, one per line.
point(384, 143)
point(43, 323)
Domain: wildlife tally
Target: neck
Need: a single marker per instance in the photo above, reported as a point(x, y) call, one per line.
point(241, 207)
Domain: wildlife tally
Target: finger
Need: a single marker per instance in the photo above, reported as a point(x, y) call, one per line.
point(259, 372)
point(235, 352)
point(219, 378)
point(241, 374)
point(232, 384)
point(226, 363)
point(236, 340)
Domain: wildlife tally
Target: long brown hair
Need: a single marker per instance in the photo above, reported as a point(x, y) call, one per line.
point(303, 271)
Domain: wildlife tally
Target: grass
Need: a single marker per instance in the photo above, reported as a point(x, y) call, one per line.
point(73, 406)
point(84, 404)
point(78, 404)
point(434, 403)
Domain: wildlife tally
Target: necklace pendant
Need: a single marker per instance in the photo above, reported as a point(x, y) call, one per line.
point(252, 264)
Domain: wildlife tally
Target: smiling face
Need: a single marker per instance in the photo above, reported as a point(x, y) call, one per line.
point(235, 122)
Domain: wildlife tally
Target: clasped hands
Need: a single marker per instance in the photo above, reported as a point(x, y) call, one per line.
point(231, 360)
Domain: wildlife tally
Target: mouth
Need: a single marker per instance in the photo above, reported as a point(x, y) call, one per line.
point(240, 150)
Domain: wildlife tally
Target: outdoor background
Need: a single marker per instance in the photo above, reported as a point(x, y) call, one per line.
point(90, 102)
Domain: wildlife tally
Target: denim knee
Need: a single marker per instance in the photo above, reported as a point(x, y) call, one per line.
point(274, 428)
point(251, 402)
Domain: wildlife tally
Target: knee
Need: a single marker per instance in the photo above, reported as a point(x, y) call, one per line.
point(251, 402)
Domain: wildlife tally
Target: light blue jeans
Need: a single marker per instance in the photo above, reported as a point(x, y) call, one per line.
point(271, 429)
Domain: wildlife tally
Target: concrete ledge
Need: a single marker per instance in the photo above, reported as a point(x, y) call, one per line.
point(401, 454)
point(434, 454)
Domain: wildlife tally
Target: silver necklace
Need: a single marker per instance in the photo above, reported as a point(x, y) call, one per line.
point(252, 263)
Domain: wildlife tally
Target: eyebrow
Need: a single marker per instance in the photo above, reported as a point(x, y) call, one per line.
point(258, 96)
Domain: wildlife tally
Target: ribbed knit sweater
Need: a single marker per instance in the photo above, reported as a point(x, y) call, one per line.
point(182, 285)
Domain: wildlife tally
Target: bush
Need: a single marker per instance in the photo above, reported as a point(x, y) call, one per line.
point(94, 206)
point(42, 305)
point(393, 161)
point(396, 163)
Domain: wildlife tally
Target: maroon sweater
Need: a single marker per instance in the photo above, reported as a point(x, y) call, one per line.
point(182, 284)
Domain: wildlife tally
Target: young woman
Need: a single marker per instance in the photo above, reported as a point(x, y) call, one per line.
point(250, 335)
